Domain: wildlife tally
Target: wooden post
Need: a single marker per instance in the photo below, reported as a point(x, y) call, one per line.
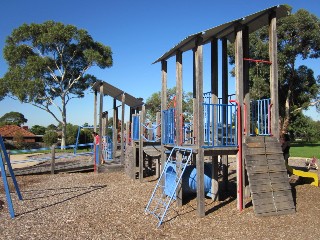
point(200, 137)
point(100, 123)
point(239, 93)
point(224, 101)
point(194, 102)
point(224, 173)
point(224, 73)
point(114, 129)
point(214, 97)
point(214, 181)
point(95, 111)
point(246, 82)
point(274, 75)
point(141, 157)
point(123, 98)
point(214, 87)
point(128, 134)
point(53, 158)
point(179, 116)
point(158, 135)
point(163, 107)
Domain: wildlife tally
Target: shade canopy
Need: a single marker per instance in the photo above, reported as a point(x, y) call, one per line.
point(116, 93)
point(227, 30)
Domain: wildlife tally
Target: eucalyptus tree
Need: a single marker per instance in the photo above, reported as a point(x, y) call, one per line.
point(48, 66)
point(153, 103)
point(13, 118)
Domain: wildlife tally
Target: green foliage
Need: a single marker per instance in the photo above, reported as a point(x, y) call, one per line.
point(50, 138)
point(304, 128)
point(71, 136)
point(154, 103)
point(48, 65)
point(38, 130)
point(13, 118)
point(52, 127)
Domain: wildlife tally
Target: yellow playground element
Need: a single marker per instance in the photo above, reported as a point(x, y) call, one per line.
point(304, 174)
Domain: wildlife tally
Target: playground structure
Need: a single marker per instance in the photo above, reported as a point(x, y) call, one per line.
point(135, 104)
point(242, 126)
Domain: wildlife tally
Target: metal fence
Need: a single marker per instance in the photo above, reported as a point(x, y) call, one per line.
point(168, 132)
point(220, 125)
point(260, 117)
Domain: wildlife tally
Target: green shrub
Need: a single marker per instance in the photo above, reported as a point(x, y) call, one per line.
point(50, 137)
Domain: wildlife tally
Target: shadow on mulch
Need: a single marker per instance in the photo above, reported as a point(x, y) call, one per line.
point(49, 193)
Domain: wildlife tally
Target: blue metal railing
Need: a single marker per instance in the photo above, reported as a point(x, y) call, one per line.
point(168, 128)
point(149, 132)
point(135, 128)
point(260, 117)
point(207, 98)
point(220, 125)
point(187, 133)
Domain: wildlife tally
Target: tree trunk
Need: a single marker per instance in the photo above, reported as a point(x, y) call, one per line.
point(287, 114)
point(64, 123)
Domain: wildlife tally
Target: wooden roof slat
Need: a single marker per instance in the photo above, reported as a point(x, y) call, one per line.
point(227, 30)
point(116, 93)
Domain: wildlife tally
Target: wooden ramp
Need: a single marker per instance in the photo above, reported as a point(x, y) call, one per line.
point(268, 179)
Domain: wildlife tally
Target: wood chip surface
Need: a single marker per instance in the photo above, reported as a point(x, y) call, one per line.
point(111, 206)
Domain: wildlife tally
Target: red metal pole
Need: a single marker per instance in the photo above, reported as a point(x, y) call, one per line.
point(239, 169)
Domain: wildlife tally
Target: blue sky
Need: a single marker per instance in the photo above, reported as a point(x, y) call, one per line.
point(138, 32)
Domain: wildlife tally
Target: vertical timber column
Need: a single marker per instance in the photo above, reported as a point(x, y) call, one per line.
point(123, 99)
point(214, 96)
point(178, 116)
point(115, 130)
point(239, 93)
point(246, 86)
point(95, 111)
point(246, 112)
point(158, 136)
point(200, 125)
point(141, 157)
point(104, 123)
point(194, 106)
point(163, 107)
point(274, 75)
point(224, 111)
point(100, 123)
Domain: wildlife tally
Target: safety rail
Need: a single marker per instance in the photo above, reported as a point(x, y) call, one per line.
point(207, 98)
point(187, 132)
point(149, 134)
point(135, 128)
point(168, 132)
point(260, 117)
point(220, 125)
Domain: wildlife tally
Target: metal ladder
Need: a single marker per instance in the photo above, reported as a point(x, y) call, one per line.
point(162, 197)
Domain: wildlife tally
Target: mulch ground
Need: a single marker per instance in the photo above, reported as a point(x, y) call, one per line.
point(111, 206)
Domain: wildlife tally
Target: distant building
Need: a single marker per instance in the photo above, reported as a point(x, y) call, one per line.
point(8, 132)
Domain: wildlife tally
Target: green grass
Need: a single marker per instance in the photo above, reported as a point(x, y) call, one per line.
point(303, 149)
